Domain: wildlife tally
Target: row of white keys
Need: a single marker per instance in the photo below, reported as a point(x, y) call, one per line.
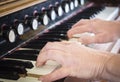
point(22, 79)
point(43, 70)
point(109, 13)
point(34, 73)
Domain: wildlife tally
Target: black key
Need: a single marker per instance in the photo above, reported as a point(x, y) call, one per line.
point(61, 27)
point(27, 51)
point(7, 62)
point(50, 39)
point(9, 75)
point(38, 42)
point(34, 46)
point(23, 56)
point(59, 36)
point(57, 32)
point(18, 69)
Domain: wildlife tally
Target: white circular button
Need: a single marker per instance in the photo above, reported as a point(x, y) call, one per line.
point(71, 5)
point(34, 24)
point(82, 2)
point(67, 9)
point(45, 19)
point(53, 15)
point(20, 29)
point(11, 36)
point(60, 11)
point(76, 3)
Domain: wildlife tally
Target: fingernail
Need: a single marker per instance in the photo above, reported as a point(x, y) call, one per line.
point(36, 65)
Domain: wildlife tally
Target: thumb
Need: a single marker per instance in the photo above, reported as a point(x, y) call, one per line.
point(55, 75)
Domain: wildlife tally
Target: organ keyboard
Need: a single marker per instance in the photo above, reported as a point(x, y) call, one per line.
point(25, 30)
point(105, 14)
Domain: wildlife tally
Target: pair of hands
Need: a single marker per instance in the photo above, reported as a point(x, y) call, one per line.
point(77, 60)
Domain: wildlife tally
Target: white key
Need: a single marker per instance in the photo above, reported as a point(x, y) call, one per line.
point(22, 79)
point(34, 73)
point(109, 13)
point(43, 70)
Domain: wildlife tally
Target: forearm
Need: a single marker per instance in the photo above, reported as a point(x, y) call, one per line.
point(112, 69)
point(114, 29)
point(118, 28)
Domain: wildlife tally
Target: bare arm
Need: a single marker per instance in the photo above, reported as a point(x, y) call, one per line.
point(112, 69)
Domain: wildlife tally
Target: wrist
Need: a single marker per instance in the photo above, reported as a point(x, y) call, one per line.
point(118, 28)
point(100, 65)
point(111, 70)
point(103, 65)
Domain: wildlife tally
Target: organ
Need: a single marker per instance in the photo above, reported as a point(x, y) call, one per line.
point(26, 26)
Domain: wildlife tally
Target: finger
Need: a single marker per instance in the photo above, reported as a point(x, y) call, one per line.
point(41, 59)
point(98, 38)
point(81, 22)
point(54, 46)
point(55, 75)
point(55, 55)
point(84, 22)
point(66, 42)
point(95, 20)
point(44, 48)
point(78, 30)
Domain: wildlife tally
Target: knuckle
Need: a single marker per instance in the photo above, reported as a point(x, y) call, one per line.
point(48, 45)
point(49, 52)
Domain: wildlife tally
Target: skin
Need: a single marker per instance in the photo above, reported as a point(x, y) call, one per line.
point(80, 61)
point(105, 31)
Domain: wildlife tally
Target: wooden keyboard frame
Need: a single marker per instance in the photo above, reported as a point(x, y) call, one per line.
point(11, 6)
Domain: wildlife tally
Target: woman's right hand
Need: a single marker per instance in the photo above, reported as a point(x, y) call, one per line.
point(105, 31)
point(76, 60)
